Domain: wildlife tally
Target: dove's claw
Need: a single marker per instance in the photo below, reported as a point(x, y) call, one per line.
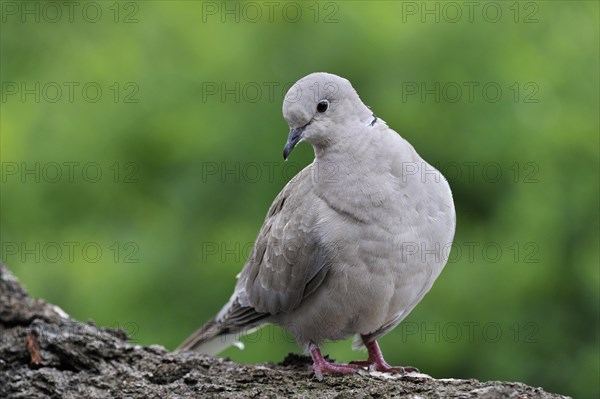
point(411, 369)
point(391, 370)
point(383, 367)
point(376, 362)
point(322, 366)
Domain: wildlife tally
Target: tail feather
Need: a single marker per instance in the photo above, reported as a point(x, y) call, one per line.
point(232, 322)
point(205, 333)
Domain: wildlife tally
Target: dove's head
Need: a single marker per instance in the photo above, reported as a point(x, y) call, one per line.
point(319, 108)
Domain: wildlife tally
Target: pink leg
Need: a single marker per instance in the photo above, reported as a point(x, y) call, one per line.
point(321, 366)
point(376, 361)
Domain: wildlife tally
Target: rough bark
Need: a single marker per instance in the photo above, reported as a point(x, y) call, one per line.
point(46, 354)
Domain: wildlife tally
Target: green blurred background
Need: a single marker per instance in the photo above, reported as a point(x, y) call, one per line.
point(187, 136)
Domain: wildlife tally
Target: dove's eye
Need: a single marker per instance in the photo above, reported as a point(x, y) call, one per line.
point(322, 106)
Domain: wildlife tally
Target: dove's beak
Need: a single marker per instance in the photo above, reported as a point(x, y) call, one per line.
point(293, 138)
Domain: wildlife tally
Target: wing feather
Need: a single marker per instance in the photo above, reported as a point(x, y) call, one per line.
point(287, 262)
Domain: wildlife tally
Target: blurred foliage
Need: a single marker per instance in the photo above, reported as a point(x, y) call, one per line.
point(529, 313)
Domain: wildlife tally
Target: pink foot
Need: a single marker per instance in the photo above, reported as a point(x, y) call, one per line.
point(322, 366)
point(376, 362)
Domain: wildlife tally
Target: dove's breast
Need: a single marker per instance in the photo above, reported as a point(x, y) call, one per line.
point(420, 224)
point(393, 259)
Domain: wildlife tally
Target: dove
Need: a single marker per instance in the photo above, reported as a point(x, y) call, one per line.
point(350, 245)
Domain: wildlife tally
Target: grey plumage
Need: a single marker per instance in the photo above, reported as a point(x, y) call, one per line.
point(353, 242)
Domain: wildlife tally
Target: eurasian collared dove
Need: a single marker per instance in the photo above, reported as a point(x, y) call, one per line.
point(351, 244)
